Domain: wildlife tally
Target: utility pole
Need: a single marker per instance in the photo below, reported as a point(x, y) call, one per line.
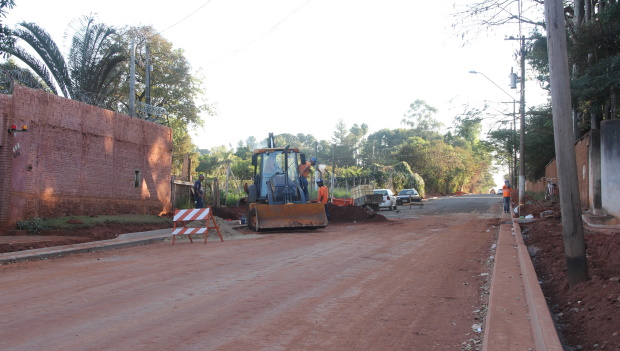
point(513, 80)
point(132, 80)
point(522, 132)
point(572, 225)
point(148, 75)
point(522, 104)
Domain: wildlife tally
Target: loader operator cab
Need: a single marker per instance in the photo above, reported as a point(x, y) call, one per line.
point(276, 180)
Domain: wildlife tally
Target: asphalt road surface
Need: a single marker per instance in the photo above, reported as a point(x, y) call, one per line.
point(417, 282)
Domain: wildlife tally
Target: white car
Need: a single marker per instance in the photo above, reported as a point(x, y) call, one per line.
point(389, 200)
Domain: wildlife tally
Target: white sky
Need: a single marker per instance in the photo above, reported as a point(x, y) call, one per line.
point(298, 66)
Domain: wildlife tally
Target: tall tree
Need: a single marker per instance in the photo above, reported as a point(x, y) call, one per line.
point(91, 70)
point(6, 39)
point(420, 119)
point(94, 61)
point(174, 85)
point(475, 17)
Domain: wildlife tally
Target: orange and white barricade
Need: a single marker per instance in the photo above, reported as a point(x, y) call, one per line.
point(183, 217)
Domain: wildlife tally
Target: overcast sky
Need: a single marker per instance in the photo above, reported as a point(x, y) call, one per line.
point(299, 66)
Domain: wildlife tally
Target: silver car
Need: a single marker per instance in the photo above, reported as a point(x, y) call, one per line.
point(408, 195)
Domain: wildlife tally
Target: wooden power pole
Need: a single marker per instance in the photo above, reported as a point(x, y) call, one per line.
point(574, 244)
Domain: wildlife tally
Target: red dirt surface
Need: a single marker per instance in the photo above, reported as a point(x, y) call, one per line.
point(339, 214)
point(587, 316)
point(406, 284)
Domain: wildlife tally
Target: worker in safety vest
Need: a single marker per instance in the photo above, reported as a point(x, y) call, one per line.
point(323, 195)
point(506, 193)
point(304, 170)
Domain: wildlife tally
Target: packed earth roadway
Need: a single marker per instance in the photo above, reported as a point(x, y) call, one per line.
point(415, 280)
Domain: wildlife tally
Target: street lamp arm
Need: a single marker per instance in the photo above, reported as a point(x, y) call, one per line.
point(489, 79)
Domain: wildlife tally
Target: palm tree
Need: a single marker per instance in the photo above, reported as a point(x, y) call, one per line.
point(51, 66)
point(93, 69)
point(95, 61)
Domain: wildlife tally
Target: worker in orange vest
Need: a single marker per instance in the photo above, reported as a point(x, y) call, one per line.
point(323, 195)
point(303, 170)
point(506, 190)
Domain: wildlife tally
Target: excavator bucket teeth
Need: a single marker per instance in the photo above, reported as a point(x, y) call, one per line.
point(263, 216)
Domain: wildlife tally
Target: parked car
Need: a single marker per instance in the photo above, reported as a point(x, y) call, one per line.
point(389, 200)
point(406, 195)
point(500, 191)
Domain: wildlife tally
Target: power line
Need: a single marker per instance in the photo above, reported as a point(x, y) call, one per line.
point(184, 18)
point(269, 31)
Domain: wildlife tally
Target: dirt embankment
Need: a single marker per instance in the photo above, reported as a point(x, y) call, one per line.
point(588, 315)
point(109, 230)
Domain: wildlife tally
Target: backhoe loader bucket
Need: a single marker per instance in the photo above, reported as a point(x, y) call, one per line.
point(264, 216)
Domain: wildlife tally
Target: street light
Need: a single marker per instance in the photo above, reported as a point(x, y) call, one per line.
point(521, 138)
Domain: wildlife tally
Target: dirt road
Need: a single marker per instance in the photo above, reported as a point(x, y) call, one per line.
point(414, 283)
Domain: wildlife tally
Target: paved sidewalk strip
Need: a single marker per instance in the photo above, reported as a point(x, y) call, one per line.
point(518, 317)
point(507, 325)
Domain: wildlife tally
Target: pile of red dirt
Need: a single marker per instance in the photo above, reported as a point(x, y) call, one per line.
point(352, 214)
point(337, 214)
point(231, 213)
point(547, 207)
point(587, 315)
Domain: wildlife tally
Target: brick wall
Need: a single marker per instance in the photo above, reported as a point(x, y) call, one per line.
point(78, 159)
point(6, 155)
point(551, 171)
point(581, 156)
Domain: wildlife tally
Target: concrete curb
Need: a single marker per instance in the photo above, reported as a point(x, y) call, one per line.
point(123, 240)
point(507, 324)
point(545, 335)
point(517, 314)
point(141, 238)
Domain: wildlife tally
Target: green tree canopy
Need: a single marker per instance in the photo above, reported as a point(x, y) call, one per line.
point(90, 73)
point(420, 118)
point(6, 39)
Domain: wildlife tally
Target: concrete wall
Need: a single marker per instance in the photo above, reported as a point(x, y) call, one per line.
point(78, 159)
point(610, 166)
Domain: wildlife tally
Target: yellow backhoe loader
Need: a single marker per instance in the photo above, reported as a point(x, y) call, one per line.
point(276, 199)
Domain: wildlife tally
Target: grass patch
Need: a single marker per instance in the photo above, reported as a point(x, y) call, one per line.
point(78, 222)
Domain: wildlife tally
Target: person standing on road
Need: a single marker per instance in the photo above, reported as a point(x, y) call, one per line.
point(304, 170)
point(506, 193)
point(198, 192)
point(323, 195)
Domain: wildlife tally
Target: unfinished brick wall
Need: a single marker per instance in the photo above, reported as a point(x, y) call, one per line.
point(551, 171)
point(581, 156)
point(78, 159)
point(6, 156)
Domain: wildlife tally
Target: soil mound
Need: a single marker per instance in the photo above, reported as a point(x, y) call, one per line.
point(586, 315)
point(337, 214)
point(352, 214)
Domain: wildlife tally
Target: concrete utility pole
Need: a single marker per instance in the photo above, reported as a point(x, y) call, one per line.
point(522, 132)
point(574, 244)
point(522, 138)
point(132, 80)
